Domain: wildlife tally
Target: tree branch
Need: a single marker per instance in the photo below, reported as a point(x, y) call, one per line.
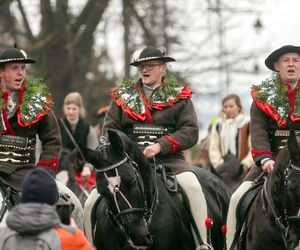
point(148, 34)
point(47, 22)
point(26, 23)
point(83, 16)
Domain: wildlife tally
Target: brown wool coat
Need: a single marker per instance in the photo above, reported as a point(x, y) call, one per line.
point(181, 116)
point(48, 132)
point(260, 126)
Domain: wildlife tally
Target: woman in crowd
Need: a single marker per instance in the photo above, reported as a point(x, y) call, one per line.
point(74, 130)
point(230, 135)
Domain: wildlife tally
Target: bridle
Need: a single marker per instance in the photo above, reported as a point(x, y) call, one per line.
point(124, 216)
point(281, 221)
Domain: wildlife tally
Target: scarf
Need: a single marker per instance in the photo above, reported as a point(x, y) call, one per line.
point(229, 132)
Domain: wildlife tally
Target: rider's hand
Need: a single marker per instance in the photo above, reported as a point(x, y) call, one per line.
point(268, 166)
point(86, 171)
point(152, 150)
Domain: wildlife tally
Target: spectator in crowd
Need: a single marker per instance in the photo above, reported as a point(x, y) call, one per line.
point(35, 224)
point(231, 134)
point(75, 130)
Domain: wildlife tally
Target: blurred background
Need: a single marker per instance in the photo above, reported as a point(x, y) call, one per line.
point(86, 45)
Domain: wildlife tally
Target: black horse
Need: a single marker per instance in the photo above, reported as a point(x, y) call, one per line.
point(230, 172)
point(273, 220)
point(136, 210)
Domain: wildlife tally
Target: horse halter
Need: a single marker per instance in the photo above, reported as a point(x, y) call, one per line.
point(114, 186)
point(281, 222)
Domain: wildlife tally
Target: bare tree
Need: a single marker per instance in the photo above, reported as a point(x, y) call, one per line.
point(64, 45)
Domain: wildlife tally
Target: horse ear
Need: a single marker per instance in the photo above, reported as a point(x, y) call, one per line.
point(88, 154)
point(115, 140)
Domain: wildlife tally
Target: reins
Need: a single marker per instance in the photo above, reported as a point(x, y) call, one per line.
point(115, 185)
point(282, 222)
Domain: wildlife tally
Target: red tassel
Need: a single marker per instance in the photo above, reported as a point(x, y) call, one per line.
point(209, 223)
point(224, 229)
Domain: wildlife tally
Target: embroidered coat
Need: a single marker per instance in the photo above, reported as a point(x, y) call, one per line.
point(241, 142)
point(265, 117)
point(44, 126)
point(179, 113)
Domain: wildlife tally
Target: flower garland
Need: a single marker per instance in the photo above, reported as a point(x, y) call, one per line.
point(128, 95)
point(274, 93)
point(35, 102)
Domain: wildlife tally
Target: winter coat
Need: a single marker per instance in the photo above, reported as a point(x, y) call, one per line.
point(44, 125)
point(231, 136)
point(266, 118)
point(179, 113)
point(37, 226)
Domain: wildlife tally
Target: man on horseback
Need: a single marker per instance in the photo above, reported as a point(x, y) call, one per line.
point(141, 109)
point(25, 113)
point(274, 112)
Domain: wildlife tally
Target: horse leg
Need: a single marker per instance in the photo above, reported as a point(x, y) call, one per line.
point(78, 210)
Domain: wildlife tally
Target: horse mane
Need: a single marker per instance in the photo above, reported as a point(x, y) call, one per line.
point(289, 153)
point(277, 176)
point(131, 148)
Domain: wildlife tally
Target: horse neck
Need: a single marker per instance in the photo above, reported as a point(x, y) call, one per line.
point(276, 189)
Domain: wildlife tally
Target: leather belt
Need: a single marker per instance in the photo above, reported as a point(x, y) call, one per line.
point(17, 142)
point(17, 149)
point(279, 138)
point(147, 134)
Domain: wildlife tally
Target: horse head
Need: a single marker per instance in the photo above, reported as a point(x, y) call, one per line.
point(230, 172)
point(293, 188)
point(121, 177)
point(287, 194)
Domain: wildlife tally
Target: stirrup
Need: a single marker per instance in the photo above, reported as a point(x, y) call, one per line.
point(204, 246)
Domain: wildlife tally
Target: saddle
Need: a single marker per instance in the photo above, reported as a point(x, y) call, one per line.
point(168, 177)
point(243, 209)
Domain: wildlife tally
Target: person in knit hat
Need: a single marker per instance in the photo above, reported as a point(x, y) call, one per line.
point(34, 221)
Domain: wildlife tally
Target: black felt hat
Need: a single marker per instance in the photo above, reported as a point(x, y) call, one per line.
point(151, 53)
point(39, 186)
point(14, 55)
point(274, 56)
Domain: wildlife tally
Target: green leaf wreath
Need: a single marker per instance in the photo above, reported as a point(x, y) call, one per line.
point(133, 98)
point(272, 92)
